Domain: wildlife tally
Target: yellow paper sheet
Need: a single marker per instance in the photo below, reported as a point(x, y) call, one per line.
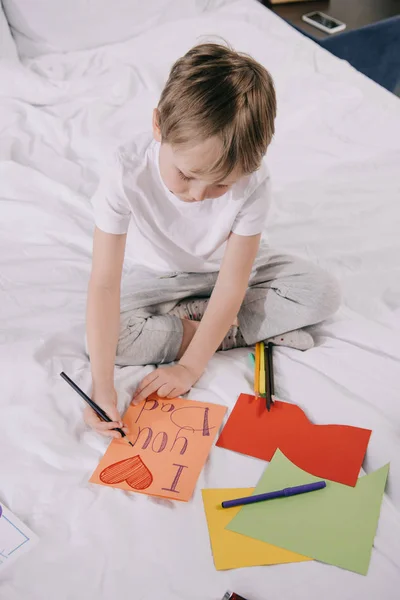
point(232, 550)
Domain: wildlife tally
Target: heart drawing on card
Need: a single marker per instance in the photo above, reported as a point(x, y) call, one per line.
point(132, 470)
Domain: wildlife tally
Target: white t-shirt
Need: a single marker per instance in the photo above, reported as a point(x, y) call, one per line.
point(166, 234)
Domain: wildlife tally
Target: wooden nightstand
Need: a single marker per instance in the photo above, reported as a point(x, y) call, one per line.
point(355, 13)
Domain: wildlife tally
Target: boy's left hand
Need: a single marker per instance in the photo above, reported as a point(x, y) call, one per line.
point(168, 382)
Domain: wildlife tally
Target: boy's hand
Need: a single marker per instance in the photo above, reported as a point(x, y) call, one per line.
point(168, 382)
point(108, 402)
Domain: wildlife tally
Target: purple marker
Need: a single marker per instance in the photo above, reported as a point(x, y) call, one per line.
point(291, 491)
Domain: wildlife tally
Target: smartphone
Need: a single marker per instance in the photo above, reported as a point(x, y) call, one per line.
point(324, 22)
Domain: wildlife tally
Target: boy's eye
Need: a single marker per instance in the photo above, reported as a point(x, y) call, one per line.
point(222, 185)
point(182, 176)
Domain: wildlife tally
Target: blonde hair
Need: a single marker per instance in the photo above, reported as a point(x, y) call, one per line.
point(214, 91)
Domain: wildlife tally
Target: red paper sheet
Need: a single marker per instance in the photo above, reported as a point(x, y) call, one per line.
point(334, 452)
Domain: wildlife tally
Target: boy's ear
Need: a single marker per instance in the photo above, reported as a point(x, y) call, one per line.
point(156, 127)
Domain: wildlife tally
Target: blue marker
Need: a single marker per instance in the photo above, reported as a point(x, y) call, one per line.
point(291, 491)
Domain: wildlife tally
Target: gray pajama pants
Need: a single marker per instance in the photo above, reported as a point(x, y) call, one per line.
point(284, 293)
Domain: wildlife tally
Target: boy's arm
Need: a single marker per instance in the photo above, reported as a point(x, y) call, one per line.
point(225, 301)
point(220, 314)
point(102, 325)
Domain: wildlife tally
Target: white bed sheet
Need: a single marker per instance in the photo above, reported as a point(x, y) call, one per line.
point(335, 166)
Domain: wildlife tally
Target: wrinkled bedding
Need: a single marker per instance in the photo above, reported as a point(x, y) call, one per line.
point(335, 167)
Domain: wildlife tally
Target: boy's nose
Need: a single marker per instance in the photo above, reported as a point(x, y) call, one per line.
point(198, 193)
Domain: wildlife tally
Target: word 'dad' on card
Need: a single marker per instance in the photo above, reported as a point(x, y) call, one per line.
point(171, 441)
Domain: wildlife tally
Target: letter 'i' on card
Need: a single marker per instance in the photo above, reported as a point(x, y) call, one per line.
point(170, 441)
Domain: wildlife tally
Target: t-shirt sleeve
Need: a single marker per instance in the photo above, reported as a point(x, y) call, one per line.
point(252, 216)
point(112, 212)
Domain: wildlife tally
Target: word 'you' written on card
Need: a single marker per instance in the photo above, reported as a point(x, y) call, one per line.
point(171, 441)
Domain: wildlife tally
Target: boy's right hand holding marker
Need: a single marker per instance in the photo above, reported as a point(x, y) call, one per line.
point(108, 402)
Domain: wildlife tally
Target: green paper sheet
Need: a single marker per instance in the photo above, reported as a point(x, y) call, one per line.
point(335, 525)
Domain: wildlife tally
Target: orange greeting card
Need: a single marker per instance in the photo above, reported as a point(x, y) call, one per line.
point(171, 440)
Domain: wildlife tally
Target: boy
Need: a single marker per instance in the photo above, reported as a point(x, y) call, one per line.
point(195, 198)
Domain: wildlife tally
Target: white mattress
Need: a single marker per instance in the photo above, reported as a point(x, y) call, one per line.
point(335, 164)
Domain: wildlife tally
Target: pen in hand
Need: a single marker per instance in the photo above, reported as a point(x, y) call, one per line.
point(99, 411)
